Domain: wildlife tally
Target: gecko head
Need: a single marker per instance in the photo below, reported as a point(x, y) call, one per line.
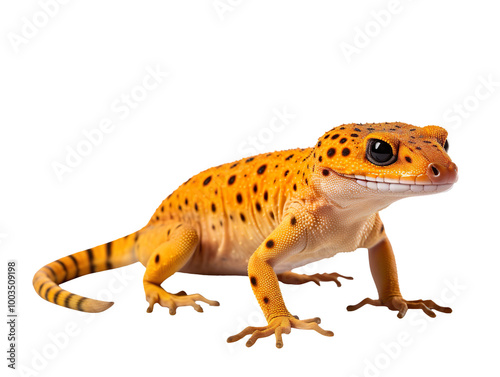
point(390, 160)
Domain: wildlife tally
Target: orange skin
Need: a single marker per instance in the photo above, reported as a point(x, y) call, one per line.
point(265, 215)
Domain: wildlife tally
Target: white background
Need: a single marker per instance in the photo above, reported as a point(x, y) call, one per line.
point(229, 69)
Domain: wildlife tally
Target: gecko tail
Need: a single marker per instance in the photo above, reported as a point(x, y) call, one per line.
point(114, 254)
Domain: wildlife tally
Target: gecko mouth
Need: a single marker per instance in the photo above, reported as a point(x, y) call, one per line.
point(397, 185)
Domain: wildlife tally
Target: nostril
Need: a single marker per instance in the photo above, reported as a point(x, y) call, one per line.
point(435, 171)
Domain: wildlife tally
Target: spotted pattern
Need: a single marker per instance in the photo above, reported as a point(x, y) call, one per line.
point(248, 205)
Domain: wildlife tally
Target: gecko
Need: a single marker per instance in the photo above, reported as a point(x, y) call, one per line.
point(265, 215)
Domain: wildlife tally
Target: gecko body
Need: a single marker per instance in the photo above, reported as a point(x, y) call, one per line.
point(265, 215)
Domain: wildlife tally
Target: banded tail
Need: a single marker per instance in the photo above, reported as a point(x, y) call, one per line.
point(111, 255)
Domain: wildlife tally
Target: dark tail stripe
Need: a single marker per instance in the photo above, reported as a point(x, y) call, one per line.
point(47, 292)
point(80, 304)
point(66, 301)
point(64, 268)
point(76, 265)
point(57, 295)
point(108, 256)
point(90, 254)
point(40, 287)
point(52, 272)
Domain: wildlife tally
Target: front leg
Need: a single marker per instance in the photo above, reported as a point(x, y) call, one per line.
point(289, 238)
point(385, 275)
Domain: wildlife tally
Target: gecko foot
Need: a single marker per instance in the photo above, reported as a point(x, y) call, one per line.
point(293, 278)
point(156, 294)
point(279, 325)
point(401, 305)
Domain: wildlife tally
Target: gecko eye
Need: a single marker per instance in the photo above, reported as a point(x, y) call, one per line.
point(380, 153)
point(446, 146)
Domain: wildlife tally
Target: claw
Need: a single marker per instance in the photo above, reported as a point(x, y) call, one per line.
point(367, 300)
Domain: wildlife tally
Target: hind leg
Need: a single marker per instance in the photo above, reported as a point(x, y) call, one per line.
point(168, 257)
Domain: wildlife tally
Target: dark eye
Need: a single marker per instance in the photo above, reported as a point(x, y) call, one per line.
point(446, 146)
point(380, 153)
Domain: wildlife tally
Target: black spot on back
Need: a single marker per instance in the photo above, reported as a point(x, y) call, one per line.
point(330, 152)
point(261, 169)
point(253, 280)
point(239, 198)
point(346, 152)
point(343, 140)
point(231, 180)
point(207, 180)
point(270, 244)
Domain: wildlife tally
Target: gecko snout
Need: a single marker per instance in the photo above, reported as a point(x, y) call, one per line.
point(441, 175)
